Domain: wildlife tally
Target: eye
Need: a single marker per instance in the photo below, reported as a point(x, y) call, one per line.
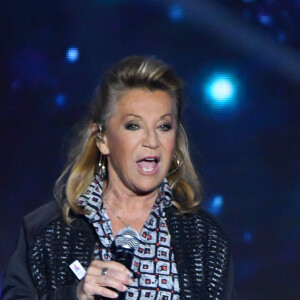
point(165, 127)
point(132, 126)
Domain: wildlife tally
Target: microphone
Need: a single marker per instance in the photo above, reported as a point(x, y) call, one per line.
point(126, 241)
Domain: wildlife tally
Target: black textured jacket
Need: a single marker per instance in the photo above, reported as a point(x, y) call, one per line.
point(39, 267)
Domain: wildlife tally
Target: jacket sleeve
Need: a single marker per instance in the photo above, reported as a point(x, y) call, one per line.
point(17, 281)
point(18, 284)
point(230, 293)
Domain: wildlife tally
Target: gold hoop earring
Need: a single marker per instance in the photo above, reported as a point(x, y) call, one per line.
point(178, 162)
point(185, 137)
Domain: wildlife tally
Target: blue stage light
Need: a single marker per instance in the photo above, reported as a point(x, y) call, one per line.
point(247, 237)
point(60, 100)
point(176, 12)
point(265, 19)
point(216, 204)
point(220, 90)
point(72, 54)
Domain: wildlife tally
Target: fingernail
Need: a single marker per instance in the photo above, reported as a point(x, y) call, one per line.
point(114, 295)
point(131, 282)
point(124, 288)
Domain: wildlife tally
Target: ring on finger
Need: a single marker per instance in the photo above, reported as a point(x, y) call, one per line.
point(104, 271)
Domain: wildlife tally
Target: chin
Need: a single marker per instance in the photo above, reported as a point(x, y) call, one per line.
point(146, 187)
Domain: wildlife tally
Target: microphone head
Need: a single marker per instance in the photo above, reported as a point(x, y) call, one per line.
point(127, 238)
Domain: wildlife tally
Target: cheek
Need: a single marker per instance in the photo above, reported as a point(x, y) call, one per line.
point(120, 147)
point(170, 144)
point(115, 141)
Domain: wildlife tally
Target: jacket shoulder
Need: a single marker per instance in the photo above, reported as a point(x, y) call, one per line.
point(199, 220)
point(210, 220)
point(35, 221)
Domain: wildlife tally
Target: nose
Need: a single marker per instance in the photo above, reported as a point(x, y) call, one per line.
point(151, 139)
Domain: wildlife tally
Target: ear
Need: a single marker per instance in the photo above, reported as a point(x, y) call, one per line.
point(94, 128)
point(100, 143)
point(103, 145)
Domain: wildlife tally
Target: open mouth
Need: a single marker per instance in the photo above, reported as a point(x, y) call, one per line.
point(148, 164)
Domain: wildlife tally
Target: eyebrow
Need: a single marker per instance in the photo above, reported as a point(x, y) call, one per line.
point(139, 117)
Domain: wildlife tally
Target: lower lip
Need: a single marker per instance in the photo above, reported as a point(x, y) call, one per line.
point(149, 171)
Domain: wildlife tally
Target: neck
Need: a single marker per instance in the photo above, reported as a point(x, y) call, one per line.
point(126, 208)
point(129, 202)
point(122, 198)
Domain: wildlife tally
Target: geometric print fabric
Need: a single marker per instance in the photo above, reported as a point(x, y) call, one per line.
point(153, 262)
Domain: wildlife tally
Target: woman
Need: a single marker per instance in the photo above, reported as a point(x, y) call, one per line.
point(130, 170)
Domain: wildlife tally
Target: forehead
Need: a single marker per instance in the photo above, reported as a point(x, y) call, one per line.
point(145, 103)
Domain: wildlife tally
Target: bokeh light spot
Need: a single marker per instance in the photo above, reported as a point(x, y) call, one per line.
point(216, 204)
point(221, 90)
point(247, 237)
point(265, 19)
point(60, 100)
point(72, 54)
point(176, 12)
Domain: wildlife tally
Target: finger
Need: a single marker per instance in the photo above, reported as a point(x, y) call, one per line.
point(116, 273)
point(125, 279)
point(111, 282)
point(106, 281)
point(91, 289)
point(92, 281)
point(111, 265)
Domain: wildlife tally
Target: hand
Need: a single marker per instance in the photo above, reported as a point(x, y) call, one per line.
point(95, 283)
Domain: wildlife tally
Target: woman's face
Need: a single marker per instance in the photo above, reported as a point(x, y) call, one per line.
point(140, 140)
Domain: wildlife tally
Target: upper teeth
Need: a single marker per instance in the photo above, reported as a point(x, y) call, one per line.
point(150, 159)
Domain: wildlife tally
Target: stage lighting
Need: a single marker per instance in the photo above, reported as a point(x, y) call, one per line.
point(220, 90)
point(72, 54)
point(176, 12)
point(265, 19)
point(247, 237)
point(216, 205)
point(60, 100)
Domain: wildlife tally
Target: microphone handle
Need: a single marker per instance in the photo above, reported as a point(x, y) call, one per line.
point(124, 256)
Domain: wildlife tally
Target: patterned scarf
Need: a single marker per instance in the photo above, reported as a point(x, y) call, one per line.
point(153, 259)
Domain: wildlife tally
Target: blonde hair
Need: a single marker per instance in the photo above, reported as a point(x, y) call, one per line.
point(131, 72)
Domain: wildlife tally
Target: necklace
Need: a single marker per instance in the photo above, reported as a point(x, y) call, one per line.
point(126, 235)
point(130, 231)
point(115, 213)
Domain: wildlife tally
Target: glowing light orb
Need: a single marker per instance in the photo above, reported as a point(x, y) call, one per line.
point(216, 205)
point(176, 12)
point(72, 54)
point(60, 100)
point(221, 91)
point(247, 237)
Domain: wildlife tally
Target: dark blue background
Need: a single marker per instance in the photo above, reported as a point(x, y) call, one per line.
point(247, 155)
